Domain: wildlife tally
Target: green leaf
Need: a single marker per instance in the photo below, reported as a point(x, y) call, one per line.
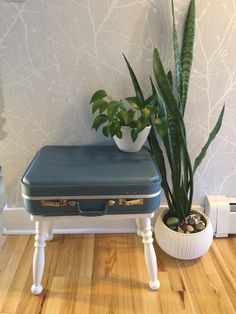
point(133, 102)
point(112, 110)
point(211, 137)
point(103, 107)
point(114, 128)
point(126, 116)
point(105, 131)
point(187, 51)
point(122, 106)
point(170, 78)
point(97, 104)
point(119, 134)
point(164, 85)
point(172, 112)
point(100, 94)
point(148, 111)
point(161, 126)
point(178, 71)
point(99, 120)
point(134, 134)
point(137, 88)
point(159, 159)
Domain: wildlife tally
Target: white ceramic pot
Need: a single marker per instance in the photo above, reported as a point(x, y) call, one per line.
point(182, 245)
point(126, 143)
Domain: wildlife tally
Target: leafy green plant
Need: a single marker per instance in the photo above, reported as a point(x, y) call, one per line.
point(171, 101)
point(169, 97)
point(135, 112)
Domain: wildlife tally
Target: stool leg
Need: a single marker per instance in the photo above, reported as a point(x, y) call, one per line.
point(139, 232)
point(50, 231)
point(149, 252)
point(39, 256)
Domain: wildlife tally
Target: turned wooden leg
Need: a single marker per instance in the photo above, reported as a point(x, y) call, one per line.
point(139, 232)
point(149, 252)
point(39, 256)
point(49, 231)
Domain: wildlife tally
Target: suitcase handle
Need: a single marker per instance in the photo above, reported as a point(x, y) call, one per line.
point(93, 212)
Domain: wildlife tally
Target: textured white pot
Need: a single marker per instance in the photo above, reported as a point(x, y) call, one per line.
point(182, 245)
point(126, 143)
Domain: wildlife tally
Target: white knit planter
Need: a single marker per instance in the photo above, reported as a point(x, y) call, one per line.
point(182, 245)
point(126, 143)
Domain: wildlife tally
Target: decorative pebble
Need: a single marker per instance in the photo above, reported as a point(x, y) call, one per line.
point(198, 217)
point(172, 227)
point(182, 225)
point(187, 232)
point(172, 221)
point(180, 230)
point(190, 228)
point(191, 221)
point(200, 226)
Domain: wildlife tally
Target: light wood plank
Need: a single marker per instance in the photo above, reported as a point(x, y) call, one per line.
point(225, 267)
point(85, 273)
point(56, 296)
point(174, 284)
point(16, 288)
point(7, 248)
point(10, 268)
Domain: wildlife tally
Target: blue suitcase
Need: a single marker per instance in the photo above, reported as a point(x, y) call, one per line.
point(90, 181)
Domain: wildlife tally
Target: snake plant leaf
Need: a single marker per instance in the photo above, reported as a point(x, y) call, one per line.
point(173, 110)
point(99, 120)
point(164, 85)
point(159, 159)
point(161, 126)
point(178, 71)
point(187, 51)
point(170, 78)
point(211, 137)
point(184, 200)
point(100, 94)
point(166, 128)
point(137, 88)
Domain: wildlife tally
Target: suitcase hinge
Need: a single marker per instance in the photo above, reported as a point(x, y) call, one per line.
point(125, 202)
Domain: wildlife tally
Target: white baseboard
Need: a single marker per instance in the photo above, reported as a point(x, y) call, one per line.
point(17, 221)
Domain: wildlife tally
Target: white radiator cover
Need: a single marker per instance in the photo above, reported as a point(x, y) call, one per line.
point(221, 211)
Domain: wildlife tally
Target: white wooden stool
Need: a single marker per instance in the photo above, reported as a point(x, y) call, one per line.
point(44, 232)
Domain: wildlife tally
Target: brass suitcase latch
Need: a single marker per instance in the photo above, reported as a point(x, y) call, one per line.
point(130, 202)
point(58, 203)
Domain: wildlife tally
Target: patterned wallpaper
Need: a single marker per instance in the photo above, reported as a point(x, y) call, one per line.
point(55, 54)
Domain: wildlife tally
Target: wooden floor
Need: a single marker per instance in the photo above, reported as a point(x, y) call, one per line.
point(107, 274)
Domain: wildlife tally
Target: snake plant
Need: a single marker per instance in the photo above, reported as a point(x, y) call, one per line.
point(167, 138)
